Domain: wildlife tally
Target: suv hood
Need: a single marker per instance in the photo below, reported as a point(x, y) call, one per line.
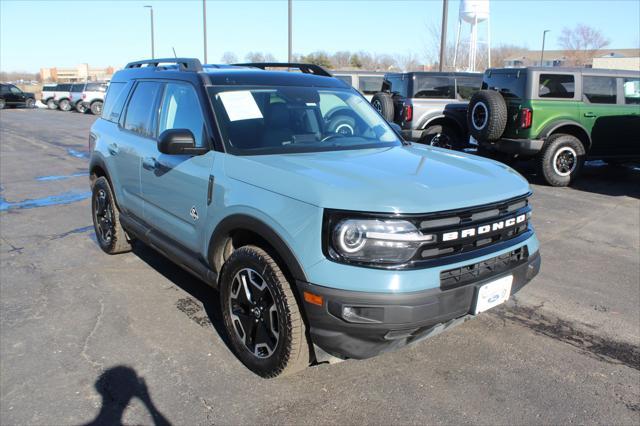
point(403, 179)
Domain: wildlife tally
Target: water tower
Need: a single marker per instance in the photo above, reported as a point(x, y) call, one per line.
point(473, 12)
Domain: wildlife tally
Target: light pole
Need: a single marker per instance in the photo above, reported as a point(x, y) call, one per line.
point(153, 52)
point(443, 34)
point(544, 35)
point(290, 53)
point(204, 26)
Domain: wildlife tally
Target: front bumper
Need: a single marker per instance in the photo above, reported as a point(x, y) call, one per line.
point(404, 318)
point(523, 147)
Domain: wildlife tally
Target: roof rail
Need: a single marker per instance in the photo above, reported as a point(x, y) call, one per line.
point(305, 68)
point(184, 64)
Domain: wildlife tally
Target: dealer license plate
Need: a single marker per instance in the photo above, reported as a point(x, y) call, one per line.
point(493, 294)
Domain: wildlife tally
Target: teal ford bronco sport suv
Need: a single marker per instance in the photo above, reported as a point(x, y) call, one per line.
point(558, 117)
point(322, 244)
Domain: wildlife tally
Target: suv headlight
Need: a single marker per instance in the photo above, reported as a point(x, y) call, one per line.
point(382, 241)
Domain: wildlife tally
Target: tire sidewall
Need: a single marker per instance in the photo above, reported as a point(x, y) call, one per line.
point(556, 144)
point(51, 104)
point(432, 131)
point(342, 122)
point(30, 103)
point(249, 257)
point(96, 108)
point(64, 105)
point(102, 184)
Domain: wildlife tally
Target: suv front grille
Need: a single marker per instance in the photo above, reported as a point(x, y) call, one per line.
point(473, 229)
point(470, 273)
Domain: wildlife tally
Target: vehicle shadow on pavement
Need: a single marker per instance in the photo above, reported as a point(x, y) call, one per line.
point(118, 386)
point(596, 177)
point(199, 290)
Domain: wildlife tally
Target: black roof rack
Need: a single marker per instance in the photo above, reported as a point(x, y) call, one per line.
point(305, 68)
point(184, 64)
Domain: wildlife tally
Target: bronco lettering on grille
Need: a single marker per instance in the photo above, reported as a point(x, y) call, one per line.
point(472, 232)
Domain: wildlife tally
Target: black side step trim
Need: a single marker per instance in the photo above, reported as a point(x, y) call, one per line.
point(172, 250)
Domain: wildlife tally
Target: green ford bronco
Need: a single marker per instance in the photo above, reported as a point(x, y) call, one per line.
point(559, 117)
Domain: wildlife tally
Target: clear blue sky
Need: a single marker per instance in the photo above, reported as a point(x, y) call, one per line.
point(49, 33)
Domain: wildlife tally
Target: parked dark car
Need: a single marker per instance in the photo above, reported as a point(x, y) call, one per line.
point(12, 96)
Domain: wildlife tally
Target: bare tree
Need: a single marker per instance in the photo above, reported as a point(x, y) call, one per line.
point(503, 52)
point(581, 43)
point(341, 60)
point(408, 62)
point(229, 58)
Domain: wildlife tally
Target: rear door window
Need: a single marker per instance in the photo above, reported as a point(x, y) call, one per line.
point(561, 86)
point(433, 87)
point(399, 85)
point(467, 86)
point(599, 90)
point(631, 90)
point(370, 85)
point(96, 87)
point(142, 112)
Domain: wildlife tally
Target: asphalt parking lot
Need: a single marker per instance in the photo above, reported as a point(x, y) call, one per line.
point(86, 337)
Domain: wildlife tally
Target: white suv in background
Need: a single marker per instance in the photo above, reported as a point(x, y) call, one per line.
point(62, 97)
point(93, 97)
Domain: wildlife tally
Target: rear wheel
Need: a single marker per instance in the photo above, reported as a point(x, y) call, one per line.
point(51, 104)
point(81, 108)
point(561, 159)
point(3, 104)
point(64, 105)
point(442, 136)
point(106, 219)
point(96, 108)
point(261, 315)
point(383, 103)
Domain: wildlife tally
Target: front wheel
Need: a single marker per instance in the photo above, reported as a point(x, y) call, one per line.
point(561, 159)
point(3, 104)
point(64, 105)
point(30, 103)
point(51, 104)
point(261, 315)
point(96, 108)
point(81, 108)
point(106, 219)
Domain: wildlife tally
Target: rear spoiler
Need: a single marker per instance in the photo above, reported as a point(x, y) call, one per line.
point(305, 68)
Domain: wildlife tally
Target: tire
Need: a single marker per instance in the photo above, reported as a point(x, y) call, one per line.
point(383, 103)
point(64, 105)
point(271, 311)
point(81, 108)
point(443, 136)
point(51, 104)
point(111, 237)
point(342, 124)
point(96, 108)
point(487, 115)
point(30, 103)
point(3, 104)
point(561, 159)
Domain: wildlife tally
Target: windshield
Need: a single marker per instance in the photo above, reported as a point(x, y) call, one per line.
point(287, 119)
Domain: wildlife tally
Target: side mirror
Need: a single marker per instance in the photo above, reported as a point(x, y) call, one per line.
point(179, 142)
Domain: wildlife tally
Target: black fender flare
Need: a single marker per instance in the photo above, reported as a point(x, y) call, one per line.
point(427, 121)
point(551, 127)
point(249, 223)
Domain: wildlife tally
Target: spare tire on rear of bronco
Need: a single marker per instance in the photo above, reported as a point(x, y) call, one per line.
point(487, 115)
point(383, 102)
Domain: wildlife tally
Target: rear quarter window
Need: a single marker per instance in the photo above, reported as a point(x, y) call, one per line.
point(433, 87)
point(631, 90)
point(49, 88)
point(467, 86)
point(511, 84)
point(346, 78)
point(559, 86)
point(114, 101)
point(63, 88)
point(370, 85)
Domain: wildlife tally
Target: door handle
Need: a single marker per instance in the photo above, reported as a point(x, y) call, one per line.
point(113, 149)
point(589, 115)
point(149, 163)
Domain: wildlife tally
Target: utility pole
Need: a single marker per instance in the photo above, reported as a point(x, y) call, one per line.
point(544, 35)
point(443, 33)
point(204, 27)
point(153, 52)
point(290, 53)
